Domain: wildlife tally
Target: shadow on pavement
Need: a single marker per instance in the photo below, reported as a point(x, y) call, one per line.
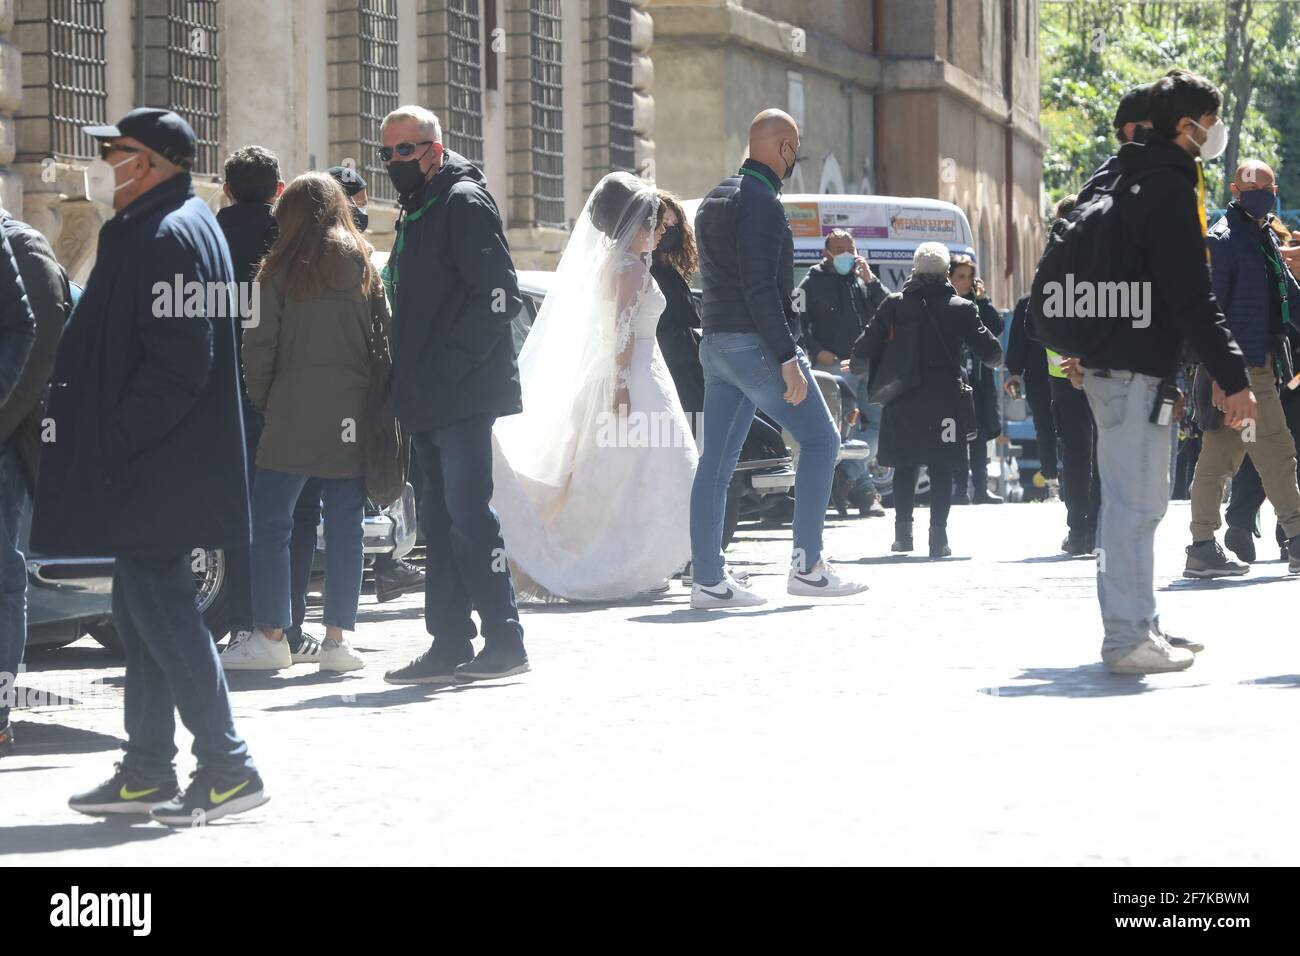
point(1087, 680)
point(1052, 559)
point(1280, 680)
point(398, 696)
point(914, 557)
point(1219, 584)
point(41, 738)
point(373, 614)
point(53, 837)
point(71, 659)
point(678, 615)
point(275, 680)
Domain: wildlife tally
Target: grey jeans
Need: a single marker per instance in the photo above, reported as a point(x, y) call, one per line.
point(1133, 462)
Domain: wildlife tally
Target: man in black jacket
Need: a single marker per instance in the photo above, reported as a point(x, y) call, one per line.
point(1160, 254)
point(17, 333)
point(751, 361)
point(839, 295)
point(453, 289)
point(147, 463)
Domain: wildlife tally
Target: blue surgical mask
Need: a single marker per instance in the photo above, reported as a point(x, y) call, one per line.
point(844, 262)
point(1257, 203)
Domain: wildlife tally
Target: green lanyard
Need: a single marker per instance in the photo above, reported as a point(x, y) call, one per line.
point(1276, 262)
point(389, 272)
point(745, 170)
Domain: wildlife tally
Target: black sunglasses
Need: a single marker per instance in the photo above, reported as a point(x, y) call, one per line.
point(401, 149)
point(107, 149)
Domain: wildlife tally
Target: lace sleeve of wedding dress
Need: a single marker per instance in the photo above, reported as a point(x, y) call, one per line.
point(632, 281)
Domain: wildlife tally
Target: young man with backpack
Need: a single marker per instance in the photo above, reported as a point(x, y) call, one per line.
point(1138, 240)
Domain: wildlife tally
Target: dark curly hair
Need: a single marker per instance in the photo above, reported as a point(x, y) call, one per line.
point(252, 173)
point(685, 259)
point(622, 202)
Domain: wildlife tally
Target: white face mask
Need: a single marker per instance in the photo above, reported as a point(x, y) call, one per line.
point(101, 184)
point(1216, 139)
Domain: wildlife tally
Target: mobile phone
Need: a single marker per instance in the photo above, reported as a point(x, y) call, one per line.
point(1167, 396)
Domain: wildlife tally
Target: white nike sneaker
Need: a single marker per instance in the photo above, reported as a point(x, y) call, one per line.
point(339, 657)
point(726, 593)
point(257, 653)
point(822, 581)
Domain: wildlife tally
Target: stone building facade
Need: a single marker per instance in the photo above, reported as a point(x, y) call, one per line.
point(546, 95)
point(932, 98)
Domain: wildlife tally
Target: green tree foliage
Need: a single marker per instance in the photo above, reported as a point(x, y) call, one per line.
point(1092, 51)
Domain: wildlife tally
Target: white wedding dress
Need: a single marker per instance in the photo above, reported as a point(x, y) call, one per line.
point(594, 505)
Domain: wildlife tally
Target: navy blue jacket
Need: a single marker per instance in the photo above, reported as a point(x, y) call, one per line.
point(147, 455)
point(17, 325)
point(747, 259)
point(453, 355)
point(1241, 275)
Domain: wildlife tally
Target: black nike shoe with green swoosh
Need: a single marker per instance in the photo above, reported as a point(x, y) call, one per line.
point(124, 793)
point(210, 796)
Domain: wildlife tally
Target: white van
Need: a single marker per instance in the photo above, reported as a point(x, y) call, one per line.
point(887, 229)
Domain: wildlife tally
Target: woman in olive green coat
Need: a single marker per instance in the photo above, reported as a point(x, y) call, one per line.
point(307, 367)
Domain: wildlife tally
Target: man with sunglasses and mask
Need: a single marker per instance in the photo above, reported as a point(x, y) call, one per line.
point(148, 463)
point(453, 290)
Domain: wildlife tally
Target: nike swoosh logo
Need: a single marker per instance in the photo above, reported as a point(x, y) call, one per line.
point(721, 597)
point(220, 798)
point(126, 794)
point(819, 583)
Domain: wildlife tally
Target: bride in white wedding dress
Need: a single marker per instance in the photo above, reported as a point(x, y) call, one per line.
point(592, 482)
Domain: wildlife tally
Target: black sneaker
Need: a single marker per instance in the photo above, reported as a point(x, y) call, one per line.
point(1241, 543)
point(435, 666)
point(1076, 544)
point(210, 796)
point(1205, 559)
point(495, 661)
point(939, 543)
point(6, 740)
point(396, 580)
point(984, 497)
point(1090, 541)
point(124, 793)
point(1293, 555)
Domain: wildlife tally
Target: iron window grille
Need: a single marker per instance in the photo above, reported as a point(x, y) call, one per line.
point(193, 85)
point(77, 76)
point(546, 105)
point(379, 92)
point(622, 140)
point(464, 120)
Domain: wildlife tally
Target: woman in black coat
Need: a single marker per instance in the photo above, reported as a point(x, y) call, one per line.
point(672, 265)
point(929, 419)
point(988, 414)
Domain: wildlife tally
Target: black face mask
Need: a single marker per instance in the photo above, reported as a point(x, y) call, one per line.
point(1140, 134)
point(360, 218)
point(406, 176)
point(789, 170)
point(670, 241)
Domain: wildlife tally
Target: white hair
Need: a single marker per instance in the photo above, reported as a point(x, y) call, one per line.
point(930, 258)
point(430, 128)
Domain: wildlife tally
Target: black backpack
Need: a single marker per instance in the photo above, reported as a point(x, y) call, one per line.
point(1080, 249)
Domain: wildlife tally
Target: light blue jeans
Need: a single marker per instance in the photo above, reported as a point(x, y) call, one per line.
point(1133, 462)
point(867, 429)
point(740, 375)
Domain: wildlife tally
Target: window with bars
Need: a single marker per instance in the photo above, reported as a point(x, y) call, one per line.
point(77, 80)
point(622, 140)
point(546, 103)
point(193, 84)
point(379, 92)
point(463, 124)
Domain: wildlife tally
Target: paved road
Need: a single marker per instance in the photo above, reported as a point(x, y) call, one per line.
point(956, 713)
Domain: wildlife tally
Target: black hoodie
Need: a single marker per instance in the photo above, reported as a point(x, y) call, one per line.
point(456, 292)
point(1161, 243)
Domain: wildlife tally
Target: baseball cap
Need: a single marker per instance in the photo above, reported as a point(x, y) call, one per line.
point(348, 178)
point(163, 131)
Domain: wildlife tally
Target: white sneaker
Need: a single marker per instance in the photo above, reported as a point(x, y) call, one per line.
point(822, 581)
point(340, 657)
point(1152, 656)
point(726, 593)
point(257, 653)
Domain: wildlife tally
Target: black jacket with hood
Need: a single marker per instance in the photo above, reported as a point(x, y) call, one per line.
point(453, 297)
point(1159, 243)
point(836, 309)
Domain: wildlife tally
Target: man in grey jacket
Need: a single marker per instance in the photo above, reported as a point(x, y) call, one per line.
point(751, 361)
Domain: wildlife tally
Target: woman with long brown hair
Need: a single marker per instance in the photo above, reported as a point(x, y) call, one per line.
point(307, 367)
point(672, 265)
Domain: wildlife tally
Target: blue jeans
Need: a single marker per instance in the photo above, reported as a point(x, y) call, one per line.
point(465, 567)
point(858, 473)
point(302, 547)
point(13, 573)
point(275, 493)
point(1133, 465)
point(171, 664)
point(741, 375)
